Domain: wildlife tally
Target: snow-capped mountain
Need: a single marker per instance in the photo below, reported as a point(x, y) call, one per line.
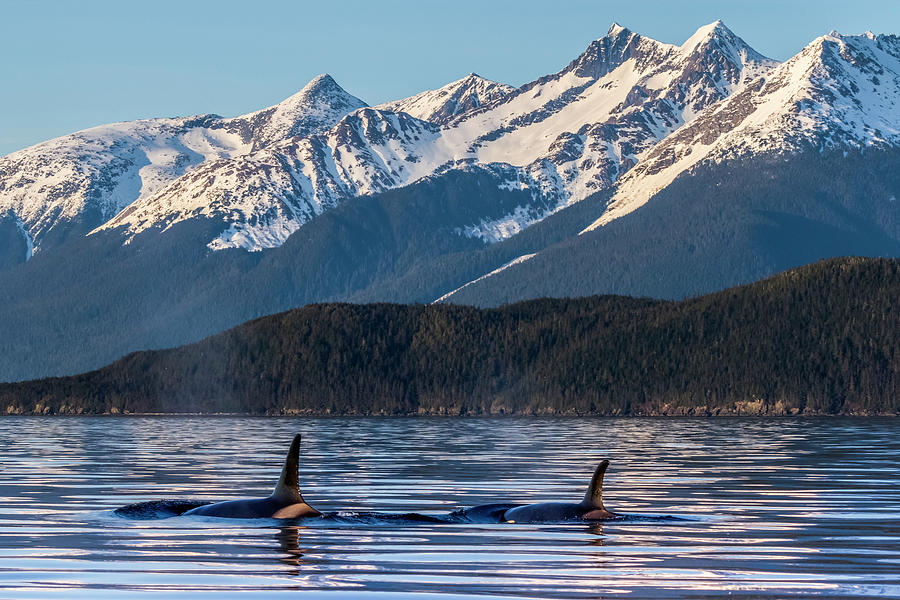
point(562, 137)
point(265, 196)
point(838, 92)
point(630, 112)
point(315, 108)
point(443, 104)
point(576, 132)
point(94, 174)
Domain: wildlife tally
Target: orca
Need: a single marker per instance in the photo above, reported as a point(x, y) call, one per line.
point(589, 509)
point(286, 502)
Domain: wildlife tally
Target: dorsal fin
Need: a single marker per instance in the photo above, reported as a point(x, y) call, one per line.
point(289, 484)
point(594, 495)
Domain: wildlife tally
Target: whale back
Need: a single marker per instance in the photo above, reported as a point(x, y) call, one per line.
point(284, 503)
point(594, 496)
point(288, 488)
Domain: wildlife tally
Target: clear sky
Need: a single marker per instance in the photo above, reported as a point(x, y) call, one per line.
point(71, 64)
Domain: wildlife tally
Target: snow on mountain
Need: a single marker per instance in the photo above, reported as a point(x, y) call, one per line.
point(266, 195)
point(104, 169)
point(579, 130)
point(96, 173)
point(562, 137)
point(516, 261)
point(315, 108)
point(838, 92)
point(456, 98)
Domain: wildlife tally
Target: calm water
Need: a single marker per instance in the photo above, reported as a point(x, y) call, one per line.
point(771, 508)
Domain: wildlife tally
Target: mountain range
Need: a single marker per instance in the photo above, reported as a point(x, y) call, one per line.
point(639, 168)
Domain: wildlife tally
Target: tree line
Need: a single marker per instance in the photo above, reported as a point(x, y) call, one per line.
point(820, 339)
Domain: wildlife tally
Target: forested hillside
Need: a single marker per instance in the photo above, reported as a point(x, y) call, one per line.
point(820, 339)
point(163, 291)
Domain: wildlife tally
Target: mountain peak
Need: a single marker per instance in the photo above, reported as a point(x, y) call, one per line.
point(711, 31)
point(449, 101)
point(616, 30)
point(315, 108)
point(717, 37)
point(470, 79)
point(322, 78)
point(604, 54)
point(835, 48)
point(321, 86)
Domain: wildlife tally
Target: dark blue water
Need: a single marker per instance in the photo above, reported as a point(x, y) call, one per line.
point(767, 508)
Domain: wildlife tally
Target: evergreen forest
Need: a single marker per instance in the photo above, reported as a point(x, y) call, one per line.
point(819, 339)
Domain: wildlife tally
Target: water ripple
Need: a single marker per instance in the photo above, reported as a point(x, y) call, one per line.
point(768, 507)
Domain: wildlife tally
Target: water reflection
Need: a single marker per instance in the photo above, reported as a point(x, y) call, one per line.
point(597, 530)
point(773, 507)
point(288, 539)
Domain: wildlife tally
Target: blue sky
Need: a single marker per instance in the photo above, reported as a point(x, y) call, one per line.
point(69, 65)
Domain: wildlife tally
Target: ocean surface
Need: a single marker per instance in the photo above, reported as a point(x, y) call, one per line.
point(740, 507)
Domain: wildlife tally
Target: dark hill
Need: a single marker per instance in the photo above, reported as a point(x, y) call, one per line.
point(815, 340)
